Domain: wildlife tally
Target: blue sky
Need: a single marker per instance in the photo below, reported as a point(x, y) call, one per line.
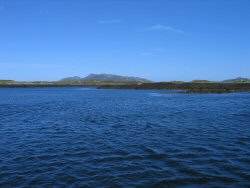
point(160, 40)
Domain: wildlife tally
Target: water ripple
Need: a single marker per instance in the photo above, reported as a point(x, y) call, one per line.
point(77, 137)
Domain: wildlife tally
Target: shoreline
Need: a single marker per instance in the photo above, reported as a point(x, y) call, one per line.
point(186, 88)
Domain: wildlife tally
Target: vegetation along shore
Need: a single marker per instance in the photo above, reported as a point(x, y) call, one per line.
point(109, 81)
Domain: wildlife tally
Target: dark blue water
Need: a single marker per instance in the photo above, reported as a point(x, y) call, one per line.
point(76, 137)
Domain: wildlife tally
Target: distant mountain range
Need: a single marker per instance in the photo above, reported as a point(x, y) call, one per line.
point(117, 79)
point(104, 77)
point(238, 80)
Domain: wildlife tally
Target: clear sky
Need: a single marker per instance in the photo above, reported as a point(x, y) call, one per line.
point(161, 40)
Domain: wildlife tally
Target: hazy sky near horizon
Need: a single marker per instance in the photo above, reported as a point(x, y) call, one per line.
point(160, 40)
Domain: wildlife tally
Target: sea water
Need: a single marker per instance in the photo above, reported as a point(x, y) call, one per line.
point(85, 137)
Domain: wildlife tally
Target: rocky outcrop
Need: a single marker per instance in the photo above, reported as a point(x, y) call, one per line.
point(187, 87)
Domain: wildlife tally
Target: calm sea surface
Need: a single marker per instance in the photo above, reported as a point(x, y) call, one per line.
point(80, 137)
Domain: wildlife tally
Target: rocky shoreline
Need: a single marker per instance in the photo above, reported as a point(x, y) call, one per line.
point(179, 87)
point(187, 87)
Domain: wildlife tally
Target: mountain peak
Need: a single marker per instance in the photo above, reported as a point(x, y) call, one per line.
point(105, 77)
point(113, 77)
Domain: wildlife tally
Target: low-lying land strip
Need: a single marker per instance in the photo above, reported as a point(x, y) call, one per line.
point(196, 86)
point(187, 87)
point(14, 84)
